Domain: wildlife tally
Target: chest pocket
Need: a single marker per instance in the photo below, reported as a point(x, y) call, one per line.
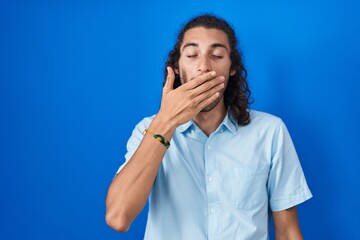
point(247, 187)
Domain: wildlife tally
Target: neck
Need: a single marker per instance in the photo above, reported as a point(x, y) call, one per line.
point(208, 122)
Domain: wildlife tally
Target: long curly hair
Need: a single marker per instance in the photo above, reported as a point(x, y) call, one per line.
point(237, 93)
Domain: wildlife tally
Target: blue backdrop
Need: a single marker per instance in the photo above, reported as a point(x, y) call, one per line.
point(76, 76)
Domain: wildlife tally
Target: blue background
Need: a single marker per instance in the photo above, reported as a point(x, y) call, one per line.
point(76, 76)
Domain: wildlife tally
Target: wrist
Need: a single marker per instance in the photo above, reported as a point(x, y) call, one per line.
point(163, 125)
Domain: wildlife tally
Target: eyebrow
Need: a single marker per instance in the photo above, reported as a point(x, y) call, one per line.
point(214, 45)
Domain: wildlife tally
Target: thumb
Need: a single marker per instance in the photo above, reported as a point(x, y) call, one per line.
point(170, 78)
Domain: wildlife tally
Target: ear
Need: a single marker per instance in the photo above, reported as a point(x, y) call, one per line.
point(176, 71)
point(233, 72)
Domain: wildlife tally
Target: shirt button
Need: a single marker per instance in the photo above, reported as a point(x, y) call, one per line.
point(212, 210)
point(211, 179)
point(209, 147)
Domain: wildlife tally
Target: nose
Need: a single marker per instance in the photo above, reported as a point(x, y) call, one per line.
point(204, 64)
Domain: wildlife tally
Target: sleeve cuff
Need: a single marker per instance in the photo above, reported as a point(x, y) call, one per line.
point(283, 204)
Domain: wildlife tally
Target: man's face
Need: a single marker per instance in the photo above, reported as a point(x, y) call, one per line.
point(205, 50)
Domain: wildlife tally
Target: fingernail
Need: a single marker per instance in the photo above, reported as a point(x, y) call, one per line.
point(222, 78)
point(213, 73)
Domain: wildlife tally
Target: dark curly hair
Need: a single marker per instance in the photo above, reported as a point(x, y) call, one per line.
point(237, 93)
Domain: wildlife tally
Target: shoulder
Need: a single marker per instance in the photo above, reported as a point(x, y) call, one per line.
point(144, 123)
point(138, 130)
point(267, 124)
point(258, 118)
point(262, 124)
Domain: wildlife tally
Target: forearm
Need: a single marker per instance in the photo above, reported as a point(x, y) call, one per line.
point(287, 225)
point(130, 189)
point(294, 234)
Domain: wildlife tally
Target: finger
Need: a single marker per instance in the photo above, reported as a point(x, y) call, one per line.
point(207, 101)
point(200, 80)
point(207, 85)
point(208, 94)
point(170, 78)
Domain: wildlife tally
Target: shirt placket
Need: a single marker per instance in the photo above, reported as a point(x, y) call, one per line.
point(210, 174)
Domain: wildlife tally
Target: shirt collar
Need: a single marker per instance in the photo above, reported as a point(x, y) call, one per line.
point(229, 122)
point(183, 127)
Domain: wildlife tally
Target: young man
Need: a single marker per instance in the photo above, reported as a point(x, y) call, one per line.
point(227, 166)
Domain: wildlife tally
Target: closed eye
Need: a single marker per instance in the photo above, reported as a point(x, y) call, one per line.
point(191, 56)
point(217, 56)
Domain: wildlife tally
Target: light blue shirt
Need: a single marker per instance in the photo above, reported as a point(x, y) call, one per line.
point(222, 186)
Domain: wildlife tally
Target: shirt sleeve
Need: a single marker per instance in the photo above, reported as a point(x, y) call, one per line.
point(135, 140)
point(287, 185)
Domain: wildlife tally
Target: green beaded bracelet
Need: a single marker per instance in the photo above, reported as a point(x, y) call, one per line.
point(159, 137)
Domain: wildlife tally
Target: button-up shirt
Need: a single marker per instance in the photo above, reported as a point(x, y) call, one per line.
point(222, 186)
